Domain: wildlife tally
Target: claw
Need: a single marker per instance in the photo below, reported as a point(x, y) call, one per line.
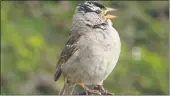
point(102, 90)
point(87, 90)
point(93, 91)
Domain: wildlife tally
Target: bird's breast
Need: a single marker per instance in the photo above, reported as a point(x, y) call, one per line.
point(96, 56)
point(99, 52)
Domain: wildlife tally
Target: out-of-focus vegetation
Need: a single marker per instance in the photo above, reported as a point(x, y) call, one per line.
point(33, 34)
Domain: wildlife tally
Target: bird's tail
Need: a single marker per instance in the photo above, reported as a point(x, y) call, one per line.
point(67, 88)
point(57, 75)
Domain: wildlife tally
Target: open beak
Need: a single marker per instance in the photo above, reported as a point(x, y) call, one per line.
point(109, 16)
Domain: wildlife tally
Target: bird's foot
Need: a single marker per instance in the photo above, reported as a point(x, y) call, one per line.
point(89, 91)
point(102, 90)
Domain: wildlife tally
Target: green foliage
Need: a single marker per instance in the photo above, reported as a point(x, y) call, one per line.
point(33, 34)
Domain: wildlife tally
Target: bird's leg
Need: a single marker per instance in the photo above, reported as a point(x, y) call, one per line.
point(84, 87)
point(87, 90)
point(102, 90)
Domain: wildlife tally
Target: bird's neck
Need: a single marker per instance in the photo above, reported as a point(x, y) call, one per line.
point(109, 22)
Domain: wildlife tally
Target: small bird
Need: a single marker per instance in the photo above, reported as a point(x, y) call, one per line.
point(92, 49)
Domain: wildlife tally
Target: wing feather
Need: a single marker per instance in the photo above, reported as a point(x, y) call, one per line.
point(69, 49)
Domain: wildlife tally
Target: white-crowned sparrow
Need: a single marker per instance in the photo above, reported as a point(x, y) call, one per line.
point(92, 49)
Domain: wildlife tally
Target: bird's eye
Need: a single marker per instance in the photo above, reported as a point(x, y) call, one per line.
point(98, 11)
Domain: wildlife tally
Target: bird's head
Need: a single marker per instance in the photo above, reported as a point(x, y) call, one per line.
point(94, 6)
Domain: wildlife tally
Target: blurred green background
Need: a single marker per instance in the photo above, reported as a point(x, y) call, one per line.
point(33, 34)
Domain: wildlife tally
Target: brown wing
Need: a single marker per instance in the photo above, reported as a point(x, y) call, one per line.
point(68, 51)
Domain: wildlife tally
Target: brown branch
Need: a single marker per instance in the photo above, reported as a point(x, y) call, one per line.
point(104, 93)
